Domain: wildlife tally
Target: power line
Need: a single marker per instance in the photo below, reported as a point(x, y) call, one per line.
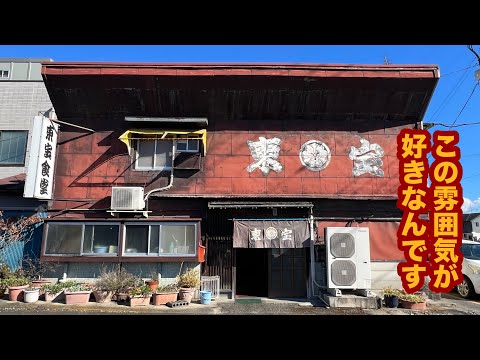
point(453, 72)
point(458, 125)
point(466, 102)
point(451, 93)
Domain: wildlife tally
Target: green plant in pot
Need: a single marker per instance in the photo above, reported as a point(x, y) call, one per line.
point(188, 282)
point(140, 295)
point(391, 297)
point(77, 293)
point(165, 293)
point(15, 285)
point(53, 292)
point(413, 301)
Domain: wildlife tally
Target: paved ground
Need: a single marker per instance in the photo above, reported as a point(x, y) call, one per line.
point(448, 304)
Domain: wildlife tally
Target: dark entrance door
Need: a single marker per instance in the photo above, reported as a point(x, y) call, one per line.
point(251, 272)
point(287, 275)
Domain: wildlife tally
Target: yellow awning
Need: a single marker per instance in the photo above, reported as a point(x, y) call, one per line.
point(127, 136)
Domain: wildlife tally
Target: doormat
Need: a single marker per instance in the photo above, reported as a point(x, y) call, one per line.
point(248, 300)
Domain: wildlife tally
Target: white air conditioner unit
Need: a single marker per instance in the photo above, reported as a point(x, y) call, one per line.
point(348, 258)
point(127, 198)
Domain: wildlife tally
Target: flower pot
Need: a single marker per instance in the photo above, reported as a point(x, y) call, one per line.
point(186, 294)
point(77, 297)
point(50, 297)
point(139, 300)
point(31, 296)
point(15, 293)
point(391, 301)
point(164, 297)
point(102, 296)
point(153, 284)
point(414, 305)
point(38, 284)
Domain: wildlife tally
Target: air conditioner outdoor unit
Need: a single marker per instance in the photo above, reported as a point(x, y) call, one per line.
point(127, 198)
point(348, 258)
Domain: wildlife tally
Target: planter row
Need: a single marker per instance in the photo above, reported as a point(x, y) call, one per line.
point(19, 293)
point(394, 302)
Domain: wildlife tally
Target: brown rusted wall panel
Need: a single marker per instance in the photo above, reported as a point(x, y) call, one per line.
point(89, 164)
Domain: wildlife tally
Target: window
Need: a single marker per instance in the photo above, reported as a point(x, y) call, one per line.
point(139, 239)
point(154, 155)
point(476, 224)
point(13, 145)
point(172, 239)
point(188, 145)
point(4, 74)
point(81, 239)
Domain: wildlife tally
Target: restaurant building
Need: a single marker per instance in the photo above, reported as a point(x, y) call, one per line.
point(237, 169)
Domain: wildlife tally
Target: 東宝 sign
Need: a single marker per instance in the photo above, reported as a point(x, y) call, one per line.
point(39, 181)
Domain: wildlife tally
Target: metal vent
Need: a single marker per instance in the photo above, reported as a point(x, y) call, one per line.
point(343, 272)
point(342, 245)
point(127, 198)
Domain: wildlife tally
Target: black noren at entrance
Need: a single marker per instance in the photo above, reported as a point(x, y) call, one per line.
point(252, 272)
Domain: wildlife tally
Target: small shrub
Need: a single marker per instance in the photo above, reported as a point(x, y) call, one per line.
point(389, 291)
point(189, 279)
point(171, 287)
point(142, 290)
point(416, 298)
point(16, 281)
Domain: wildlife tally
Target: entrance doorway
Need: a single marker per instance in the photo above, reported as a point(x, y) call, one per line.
point(287, 277)
point(274, 273)
point(251, 272)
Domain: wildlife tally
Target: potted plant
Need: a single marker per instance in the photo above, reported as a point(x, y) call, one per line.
point(54, 292)
point(153, 281)
point(31, 294)
point(413, 301)
point(188, 282)
point(106, 285)
point(391, 297)
point(140, 295)
point(77, 293)
point(15, 285)
point(165, 293)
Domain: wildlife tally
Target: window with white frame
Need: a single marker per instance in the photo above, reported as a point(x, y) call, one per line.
point(188, 145)
point(153, 154)
point(3, 74)
point(166, 239)
point(476, 224)
point(13, 146)
point(74, 239)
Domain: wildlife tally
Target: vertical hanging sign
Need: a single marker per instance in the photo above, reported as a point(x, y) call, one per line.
point(39, 182)
point(431, 247)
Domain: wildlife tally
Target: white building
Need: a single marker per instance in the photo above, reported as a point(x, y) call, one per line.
point(471, 226)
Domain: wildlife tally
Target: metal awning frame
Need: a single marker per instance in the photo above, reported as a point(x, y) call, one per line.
point(255, 205)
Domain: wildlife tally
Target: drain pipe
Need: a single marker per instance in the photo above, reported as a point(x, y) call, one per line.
point(170, 183)
point(312, 260)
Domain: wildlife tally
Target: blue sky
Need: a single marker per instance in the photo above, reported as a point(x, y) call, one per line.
point(457, 81)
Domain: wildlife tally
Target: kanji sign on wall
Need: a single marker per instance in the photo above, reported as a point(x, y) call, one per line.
point(39, 181)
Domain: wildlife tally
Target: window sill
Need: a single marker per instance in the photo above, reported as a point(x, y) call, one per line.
point(118, 259)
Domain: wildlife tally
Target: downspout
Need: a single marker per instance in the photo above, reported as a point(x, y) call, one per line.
point(170, 183)
point(312, 259)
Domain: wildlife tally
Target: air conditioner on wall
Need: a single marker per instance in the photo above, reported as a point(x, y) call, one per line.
point(348, 259)
point(126, 198)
